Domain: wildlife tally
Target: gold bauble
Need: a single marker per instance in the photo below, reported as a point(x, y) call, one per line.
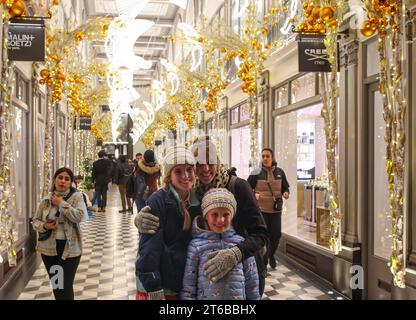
point(326, 13)
point(332, 24)
point(367, 32)
point(309, 10)
point(18, 9)
point(79, 36)
point(45, 73)
point(316, 11)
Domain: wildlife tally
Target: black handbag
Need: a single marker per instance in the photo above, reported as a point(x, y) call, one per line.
point(275, 201)
point(42, 236)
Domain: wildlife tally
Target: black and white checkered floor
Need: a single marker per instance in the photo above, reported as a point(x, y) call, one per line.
point(106, 271)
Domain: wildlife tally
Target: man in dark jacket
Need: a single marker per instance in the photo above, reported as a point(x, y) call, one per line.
point(101, 176)
point(248, 221)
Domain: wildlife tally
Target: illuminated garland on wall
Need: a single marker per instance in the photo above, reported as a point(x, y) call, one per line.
point(381, 15)
point(324, 17)
point(329, 93)
point(6, 188)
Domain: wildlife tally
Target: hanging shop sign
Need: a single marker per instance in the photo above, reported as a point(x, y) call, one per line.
point(26, 40)
point(312, 54)
point(84, 123)
point(99, 143)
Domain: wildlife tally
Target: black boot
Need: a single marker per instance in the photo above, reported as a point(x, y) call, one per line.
point(272, 262)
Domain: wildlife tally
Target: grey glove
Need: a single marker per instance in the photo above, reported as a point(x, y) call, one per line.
point(146, 222)
point(221, 262)
point(157, 295)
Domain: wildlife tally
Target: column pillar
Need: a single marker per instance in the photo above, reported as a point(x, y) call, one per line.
point(348, 181)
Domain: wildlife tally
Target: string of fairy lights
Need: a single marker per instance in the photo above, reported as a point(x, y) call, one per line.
point(6, 158)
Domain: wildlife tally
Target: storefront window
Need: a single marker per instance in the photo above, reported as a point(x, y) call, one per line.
point(382, 225)
point(245, 112)
point(234, 116)
point(240, 150)
point(373, 65)
point(301, 152)
point(18, 173)
point(281, 96)
point(303, 88)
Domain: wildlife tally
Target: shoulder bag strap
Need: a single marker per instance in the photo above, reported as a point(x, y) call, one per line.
point(271, 191)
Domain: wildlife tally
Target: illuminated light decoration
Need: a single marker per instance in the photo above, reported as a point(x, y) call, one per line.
point(172, 76)
point(287, 24)
point(115, 124)
point(159, 95)
point(196, 58)
point(120, 43)
point(122, 90)
point(192, 35)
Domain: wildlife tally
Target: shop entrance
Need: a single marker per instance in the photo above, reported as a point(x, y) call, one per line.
point(379, 224)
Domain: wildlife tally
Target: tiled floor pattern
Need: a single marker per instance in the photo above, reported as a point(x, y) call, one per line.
point(106, 271)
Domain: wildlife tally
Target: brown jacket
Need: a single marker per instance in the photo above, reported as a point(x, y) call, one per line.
point(152, 175)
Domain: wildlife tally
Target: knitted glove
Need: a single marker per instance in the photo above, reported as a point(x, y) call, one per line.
point(157, 295)
point(146, 222)
point(221, 262)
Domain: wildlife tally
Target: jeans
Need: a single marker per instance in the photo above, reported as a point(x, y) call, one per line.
point(140, 203)
point(69, 267)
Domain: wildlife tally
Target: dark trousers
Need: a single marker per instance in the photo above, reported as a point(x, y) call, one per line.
point(274, 227)
point(69, 267)
point(124, 198)
point(101, 190)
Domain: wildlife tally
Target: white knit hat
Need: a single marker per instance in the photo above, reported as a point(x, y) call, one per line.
point(218, 198)
point(177, 155)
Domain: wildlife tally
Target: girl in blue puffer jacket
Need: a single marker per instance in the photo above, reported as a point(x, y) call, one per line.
point(211, 233)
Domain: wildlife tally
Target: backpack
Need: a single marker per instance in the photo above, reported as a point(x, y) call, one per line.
point(126, 172)
point(139, 185)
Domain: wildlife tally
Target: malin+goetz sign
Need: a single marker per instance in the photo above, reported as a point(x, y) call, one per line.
point(312, 54)
point(26, 40)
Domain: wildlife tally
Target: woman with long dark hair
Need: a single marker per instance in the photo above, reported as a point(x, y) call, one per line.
point(270, 186)
point(57, 221)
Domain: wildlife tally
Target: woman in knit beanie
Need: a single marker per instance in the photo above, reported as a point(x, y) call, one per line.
point(162, 255)
point(211, 233)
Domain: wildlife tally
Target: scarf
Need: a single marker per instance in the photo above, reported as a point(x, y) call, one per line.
point(62, 194)
point(220, 180)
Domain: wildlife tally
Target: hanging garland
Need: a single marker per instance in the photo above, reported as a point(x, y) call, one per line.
point(324, 17)
point(329, 93)
point(382, 14)
point(62, 74)
point(10, 9)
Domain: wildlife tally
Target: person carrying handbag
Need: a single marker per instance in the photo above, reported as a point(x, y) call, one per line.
point(270, 187)
point(57, 222)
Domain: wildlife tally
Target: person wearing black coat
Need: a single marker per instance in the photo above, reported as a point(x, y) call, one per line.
point(102, 171)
